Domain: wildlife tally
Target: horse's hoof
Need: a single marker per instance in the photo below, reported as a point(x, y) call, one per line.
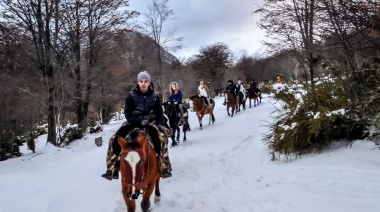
point(157, 200)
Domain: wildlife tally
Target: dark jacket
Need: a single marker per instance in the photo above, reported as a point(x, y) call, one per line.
point(140, 106)
point(253, 85)
point(232, 88)
point(176, 97)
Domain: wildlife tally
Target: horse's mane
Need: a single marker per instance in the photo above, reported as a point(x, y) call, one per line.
point(132, 138)
point(193, 96)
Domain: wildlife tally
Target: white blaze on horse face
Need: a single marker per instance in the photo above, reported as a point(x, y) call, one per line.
point(132, 159)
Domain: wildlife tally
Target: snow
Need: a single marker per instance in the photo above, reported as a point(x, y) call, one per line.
point(225, 167)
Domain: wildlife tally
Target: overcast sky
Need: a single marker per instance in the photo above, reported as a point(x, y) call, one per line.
point(205, 22)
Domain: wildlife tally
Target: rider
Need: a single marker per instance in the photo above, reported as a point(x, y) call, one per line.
point(175, 97)
point(253, 86)
point(203, 91)
point(240, 88)
point(142, 110)
point(232, 88)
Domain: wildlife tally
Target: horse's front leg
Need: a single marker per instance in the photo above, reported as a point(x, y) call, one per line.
point(200, 121)
point(178, 133)
point(131, 204)
point(228, 111)
point(145, 202)
point(184, 134)
point(174, 143)
point(249, 103)
point(157, 193)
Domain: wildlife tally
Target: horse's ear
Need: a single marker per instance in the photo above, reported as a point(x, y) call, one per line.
point(143, 131)
point(122, 142)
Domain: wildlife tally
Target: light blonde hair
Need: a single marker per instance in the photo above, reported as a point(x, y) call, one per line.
point(204, 85)
point(175, 89)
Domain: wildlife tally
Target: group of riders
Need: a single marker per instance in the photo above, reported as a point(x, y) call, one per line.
point(143, 109)
point(235, 89)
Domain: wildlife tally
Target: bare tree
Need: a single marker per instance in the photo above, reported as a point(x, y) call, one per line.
point(39, 19)
point(211, 63)
point(164, 40)
point(87, 26)
point(291, 25)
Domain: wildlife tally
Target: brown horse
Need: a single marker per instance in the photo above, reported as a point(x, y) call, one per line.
point(202, 109)
point(256, 96)
point(139, 169)
point(231, 103)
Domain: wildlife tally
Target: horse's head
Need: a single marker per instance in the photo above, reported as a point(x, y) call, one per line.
point(171, 113)
point(170, 110)
point(133, 159)
point(196, 102)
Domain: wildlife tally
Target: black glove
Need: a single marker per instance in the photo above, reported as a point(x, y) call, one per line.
point(151, 117)
point(144, 123)
point(161, 128)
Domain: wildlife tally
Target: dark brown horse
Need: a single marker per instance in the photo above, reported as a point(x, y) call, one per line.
point(231, 103)
point(256, 96)
point(201, 109)
point(139, 169)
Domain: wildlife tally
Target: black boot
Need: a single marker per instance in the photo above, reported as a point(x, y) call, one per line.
point(108, 175)
point(166, 174)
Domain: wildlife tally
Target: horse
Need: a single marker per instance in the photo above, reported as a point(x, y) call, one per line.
point(172, 112)
point(231, 103)
point(201, 109)
point(139, 169)
point(256, 96)
point(241, 100)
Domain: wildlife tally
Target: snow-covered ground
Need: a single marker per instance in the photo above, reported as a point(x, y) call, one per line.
point(225, 167)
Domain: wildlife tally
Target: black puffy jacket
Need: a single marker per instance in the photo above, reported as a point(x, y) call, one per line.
point(139, 106)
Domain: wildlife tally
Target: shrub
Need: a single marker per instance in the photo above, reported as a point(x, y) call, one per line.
point(309, 121)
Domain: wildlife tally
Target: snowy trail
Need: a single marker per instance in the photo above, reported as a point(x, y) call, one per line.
point(225, 167)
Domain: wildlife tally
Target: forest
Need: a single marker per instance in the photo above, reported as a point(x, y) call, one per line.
point(73, 62)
